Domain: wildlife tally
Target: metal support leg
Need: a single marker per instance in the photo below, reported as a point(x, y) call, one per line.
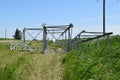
point(79, 43)
point(24, 37)
point(108, 40)
point(73, 44)
point(44, 39)
point(98, 45)
point(63, 41)
point(90, 43)
point(69, 40)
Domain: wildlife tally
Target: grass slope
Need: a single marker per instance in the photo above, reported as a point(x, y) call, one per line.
point(91, 63)
point(17, 65)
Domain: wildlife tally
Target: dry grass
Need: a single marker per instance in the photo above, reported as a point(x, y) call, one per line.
point(26, 66)
point(44, 67)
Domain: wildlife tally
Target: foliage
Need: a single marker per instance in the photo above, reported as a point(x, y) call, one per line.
point(92, 63)
point(17, 35)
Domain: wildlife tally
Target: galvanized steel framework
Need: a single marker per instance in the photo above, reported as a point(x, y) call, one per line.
point(65, 36)
point(85, 36)
point(64, 31)
point(25, 30)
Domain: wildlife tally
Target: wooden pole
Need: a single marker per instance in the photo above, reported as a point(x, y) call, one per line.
point(5, 34)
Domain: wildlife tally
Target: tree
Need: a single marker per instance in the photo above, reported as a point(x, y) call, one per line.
point(17, 35)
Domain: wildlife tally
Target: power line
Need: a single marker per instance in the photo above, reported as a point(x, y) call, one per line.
point(97, 0)
point(104, 9)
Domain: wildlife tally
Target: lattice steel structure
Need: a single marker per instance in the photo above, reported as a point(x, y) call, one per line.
point(26, 30)
point(85, 36)
point(64, 32)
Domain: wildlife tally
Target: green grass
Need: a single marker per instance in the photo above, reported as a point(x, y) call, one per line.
point(88, 63)
point(18, 65)
point(9, 72)
point(91, 63)
point(6, 39)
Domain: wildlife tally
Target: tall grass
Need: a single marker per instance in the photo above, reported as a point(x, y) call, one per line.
point(18, 65)
point(91, 63)
point(9, 72)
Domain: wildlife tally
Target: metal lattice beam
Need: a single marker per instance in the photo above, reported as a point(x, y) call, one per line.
point(60, 30)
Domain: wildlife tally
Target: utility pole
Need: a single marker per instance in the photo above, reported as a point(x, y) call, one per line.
point(103, 17)
point(5, 34)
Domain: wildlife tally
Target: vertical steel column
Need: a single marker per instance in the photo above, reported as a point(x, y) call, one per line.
point(65, 41)
point(62, 41)
point(24, 36)
point(108, 40)
point(69, 40)
point(70, 36)
point(74, 44)
point(71, 32)
point(103, 17)
point(98, 45)
point(89, 43)
point(44, 39)
point(79, 41)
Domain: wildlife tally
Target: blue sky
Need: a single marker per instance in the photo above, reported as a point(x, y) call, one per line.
point(84, 14)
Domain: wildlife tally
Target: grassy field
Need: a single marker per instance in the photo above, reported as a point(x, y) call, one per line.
point(91, 63)
point(88, 63)
point(18, 65)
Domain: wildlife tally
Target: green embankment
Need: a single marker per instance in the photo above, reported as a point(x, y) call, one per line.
point(91, 63)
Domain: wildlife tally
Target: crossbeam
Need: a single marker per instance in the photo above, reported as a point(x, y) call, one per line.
point(70, 26)
point(57, 26)
point(33, 29)
point(94, 32)
point(85, 36)
point(56, 29)
point(26, 30)
point(79, 34)
point(89, 39)
point(88, 35)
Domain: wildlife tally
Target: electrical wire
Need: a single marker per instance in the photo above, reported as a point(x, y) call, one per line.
point(88, 10)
